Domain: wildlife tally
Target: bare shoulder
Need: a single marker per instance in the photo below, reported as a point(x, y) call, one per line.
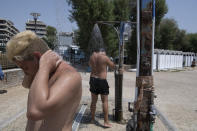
point(72, 77)
point(106, 58)
point(109, 62)
point(69, 78)
point(67, 88)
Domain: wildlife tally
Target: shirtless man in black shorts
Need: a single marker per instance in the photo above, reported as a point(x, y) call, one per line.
point(98, 83)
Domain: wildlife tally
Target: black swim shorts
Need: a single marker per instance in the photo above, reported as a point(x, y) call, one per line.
point(99, 86)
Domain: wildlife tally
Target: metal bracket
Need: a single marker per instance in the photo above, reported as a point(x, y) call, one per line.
point(153, 114)
point(130, 109)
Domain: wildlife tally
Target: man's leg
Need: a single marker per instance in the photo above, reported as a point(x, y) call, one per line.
point(93, 105)
point(104, 99)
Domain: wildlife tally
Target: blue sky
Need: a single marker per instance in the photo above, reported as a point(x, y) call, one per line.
point(55, 13)
point(184, 12)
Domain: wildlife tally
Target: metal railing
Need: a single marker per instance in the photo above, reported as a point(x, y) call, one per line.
point(5, 63)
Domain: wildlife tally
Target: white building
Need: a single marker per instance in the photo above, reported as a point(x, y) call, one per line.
point(65, 40)
point(39, 27)
point(7, 30)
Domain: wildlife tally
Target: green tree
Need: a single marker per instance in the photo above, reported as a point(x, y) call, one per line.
point(121, 10)
point(181, 42)
point(86, 13)
point(121, 13)
point(132, 45)
point(173, 38)
point(51, 37)
point(160, 11)
point(168, 29)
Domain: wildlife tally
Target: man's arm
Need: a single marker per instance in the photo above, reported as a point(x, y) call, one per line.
point(27, 80)
point(43, 100)
point(89, 63)
point(110, 63)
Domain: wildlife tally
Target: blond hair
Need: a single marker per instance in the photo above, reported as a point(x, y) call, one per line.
point(23, 45)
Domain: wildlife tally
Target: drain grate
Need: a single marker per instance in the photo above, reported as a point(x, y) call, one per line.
point(77, 120)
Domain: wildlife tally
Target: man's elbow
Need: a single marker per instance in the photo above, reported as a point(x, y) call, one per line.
point(34, 115)
point(112, 66)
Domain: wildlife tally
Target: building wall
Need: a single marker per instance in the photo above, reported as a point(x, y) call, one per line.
point(40, 27)
point(65, 40)
point(7, 31)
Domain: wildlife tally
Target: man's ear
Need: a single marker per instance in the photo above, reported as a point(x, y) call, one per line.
point(37, 55)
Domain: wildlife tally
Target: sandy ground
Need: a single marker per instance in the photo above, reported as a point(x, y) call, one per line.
point(176, 98)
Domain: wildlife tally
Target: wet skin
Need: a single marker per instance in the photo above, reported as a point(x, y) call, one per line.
point(98, 63)
point(51, 105)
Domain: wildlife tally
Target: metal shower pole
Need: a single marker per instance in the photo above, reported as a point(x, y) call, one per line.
point(119, 74)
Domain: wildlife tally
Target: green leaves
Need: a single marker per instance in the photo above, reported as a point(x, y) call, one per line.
point(168, 29)
point(169, 36)
point(161, 10)
point(50, 38)
point(87, 12)
point(192, 38)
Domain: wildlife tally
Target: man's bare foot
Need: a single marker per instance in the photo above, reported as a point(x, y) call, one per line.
point(107, 125)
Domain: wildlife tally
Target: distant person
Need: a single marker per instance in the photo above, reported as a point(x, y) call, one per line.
point(1, 73)
point(98, 83)
point(193, 63)
point(54, 86)
point(2, 78)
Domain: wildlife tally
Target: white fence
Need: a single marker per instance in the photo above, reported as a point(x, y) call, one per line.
point(188, 58)
point(167, 59)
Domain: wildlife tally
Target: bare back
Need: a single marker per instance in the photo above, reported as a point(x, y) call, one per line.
point(61, 118)
point(99, 63)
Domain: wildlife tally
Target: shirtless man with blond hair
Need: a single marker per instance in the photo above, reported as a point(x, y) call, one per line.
point(98, 83)
point(54, 86)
